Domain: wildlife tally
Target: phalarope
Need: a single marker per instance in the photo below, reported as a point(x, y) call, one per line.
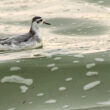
point(33, 35)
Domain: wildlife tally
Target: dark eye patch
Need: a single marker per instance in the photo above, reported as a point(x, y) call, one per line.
point(36, 18)
point(39, 21)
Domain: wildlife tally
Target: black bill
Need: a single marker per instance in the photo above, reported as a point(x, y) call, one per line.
point(46, 23)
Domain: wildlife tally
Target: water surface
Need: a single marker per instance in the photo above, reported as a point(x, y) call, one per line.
point(71, 71)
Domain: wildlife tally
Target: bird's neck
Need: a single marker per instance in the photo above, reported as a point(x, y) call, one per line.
point(35, 30)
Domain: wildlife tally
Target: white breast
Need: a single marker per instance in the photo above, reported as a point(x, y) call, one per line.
point(38, 34)
point(35, 28)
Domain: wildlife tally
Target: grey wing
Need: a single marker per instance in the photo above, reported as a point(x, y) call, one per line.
point(21, 38)
point(16, 39)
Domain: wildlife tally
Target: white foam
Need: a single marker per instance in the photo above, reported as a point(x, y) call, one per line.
point(16, 79)
point(15, 68)
point(23, 89)
point(13, 108)
point(101, 1)
point(30, 102)
point(99, 59)
point(108, 9)
point(51, 101)
point(79, 56)
point(57, 58)
point(104, 103)
point(90, 65)
point(17, 61)
point(91, 73)
point(51, 65)
point(91, 85)
point(62, 88)
point(68, 79)
point(86, 4)
point(83, 96)
point(108, 91)
point(65, 106)
point(54, 68)
point(40, 94)
point(75, 61)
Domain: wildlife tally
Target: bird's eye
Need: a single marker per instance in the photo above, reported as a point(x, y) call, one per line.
point(38, 21)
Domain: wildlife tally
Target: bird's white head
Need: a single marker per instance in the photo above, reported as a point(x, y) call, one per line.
point(36, 21)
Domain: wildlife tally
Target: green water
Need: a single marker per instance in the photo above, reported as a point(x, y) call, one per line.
point(75, 45)
point(48, 82)
point(80, 27)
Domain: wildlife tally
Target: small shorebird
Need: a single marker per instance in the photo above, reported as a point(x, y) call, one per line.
point(33, 35)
